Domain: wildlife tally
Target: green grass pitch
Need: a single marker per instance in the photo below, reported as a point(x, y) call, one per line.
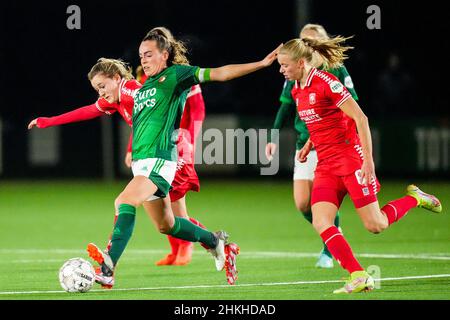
point(45, 223)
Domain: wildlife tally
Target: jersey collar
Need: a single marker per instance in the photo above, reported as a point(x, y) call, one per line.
point(311, 74)
point(122, 83)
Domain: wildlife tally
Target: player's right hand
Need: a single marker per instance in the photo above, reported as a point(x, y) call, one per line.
point(270, 150)
point(32, 124)
point(128, 159)
point(303, 153)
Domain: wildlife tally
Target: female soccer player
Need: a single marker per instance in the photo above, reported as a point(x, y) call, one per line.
point(344, 151)
point(304, 172)
point(122, 100)
point(116, 87)
point(186, 178)
point(156, 109)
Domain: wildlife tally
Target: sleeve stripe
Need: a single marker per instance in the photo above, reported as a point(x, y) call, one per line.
point(344, 98)
point(203, 74)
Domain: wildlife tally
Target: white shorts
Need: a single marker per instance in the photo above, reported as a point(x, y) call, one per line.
point(305, 171)
point(161, 172)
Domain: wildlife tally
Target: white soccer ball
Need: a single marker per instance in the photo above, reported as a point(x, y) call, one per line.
point(77, 275)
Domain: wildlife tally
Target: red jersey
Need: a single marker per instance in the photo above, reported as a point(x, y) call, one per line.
point(191, 121)
point(333, 133)
point(127, 89)
point(193, 113)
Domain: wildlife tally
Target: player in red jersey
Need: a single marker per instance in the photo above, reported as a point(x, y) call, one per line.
point(340, 133)
point(116, 87)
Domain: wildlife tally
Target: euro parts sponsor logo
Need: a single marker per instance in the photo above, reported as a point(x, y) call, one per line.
point(143, 99)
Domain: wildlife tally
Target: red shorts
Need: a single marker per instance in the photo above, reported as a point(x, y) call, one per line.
point(186, 179)
point(329, 187)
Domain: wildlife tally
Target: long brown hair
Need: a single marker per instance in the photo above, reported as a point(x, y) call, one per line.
point(111, 67)
point(332, 51)
point(166, 41)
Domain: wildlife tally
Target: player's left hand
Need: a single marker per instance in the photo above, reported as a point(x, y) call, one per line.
point(367, 171)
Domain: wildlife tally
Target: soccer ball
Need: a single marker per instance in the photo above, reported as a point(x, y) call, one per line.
point(77, 275)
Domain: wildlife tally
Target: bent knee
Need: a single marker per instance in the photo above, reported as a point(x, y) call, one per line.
point(376, 227)
point(121, 199)
point(321, 226)
point(164, 228)
point(303, 206)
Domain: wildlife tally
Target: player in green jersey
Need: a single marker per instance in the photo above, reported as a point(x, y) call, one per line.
point(304, 172)
point(157, 107)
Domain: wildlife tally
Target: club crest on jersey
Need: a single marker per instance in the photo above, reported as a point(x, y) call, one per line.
point(358, 175)
point(312, 98)
point(336, 87)
point(162, 79)
point(348, 82)
point(365, 191)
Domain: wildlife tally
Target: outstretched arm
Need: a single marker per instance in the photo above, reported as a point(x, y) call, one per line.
point(80, 114)
point(233, 71)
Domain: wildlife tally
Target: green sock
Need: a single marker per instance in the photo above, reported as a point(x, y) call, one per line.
point(123, 229)
point(308, 216)
point(186, 230)
point(325, 248)
point(336, 220)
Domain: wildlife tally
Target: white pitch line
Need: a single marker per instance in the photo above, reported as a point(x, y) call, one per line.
point(244, 255)
point(228, 286)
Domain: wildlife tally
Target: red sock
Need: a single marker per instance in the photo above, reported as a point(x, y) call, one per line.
point(174, 244)
point(198, 223)
point(340, 249)
point(397, 209)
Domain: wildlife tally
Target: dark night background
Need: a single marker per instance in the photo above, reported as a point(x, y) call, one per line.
point(44, 64)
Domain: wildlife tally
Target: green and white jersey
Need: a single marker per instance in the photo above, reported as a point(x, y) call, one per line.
point(286, 98)
point(158, 107)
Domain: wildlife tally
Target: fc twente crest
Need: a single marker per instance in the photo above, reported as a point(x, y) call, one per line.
point(312, 98)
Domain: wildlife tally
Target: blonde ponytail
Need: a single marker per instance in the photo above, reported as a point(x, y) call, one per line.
point(331, 51)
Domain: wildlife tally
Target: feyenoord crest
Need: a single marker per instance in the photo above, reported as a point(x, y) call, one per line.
point(162, 79)
point(312, 98)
